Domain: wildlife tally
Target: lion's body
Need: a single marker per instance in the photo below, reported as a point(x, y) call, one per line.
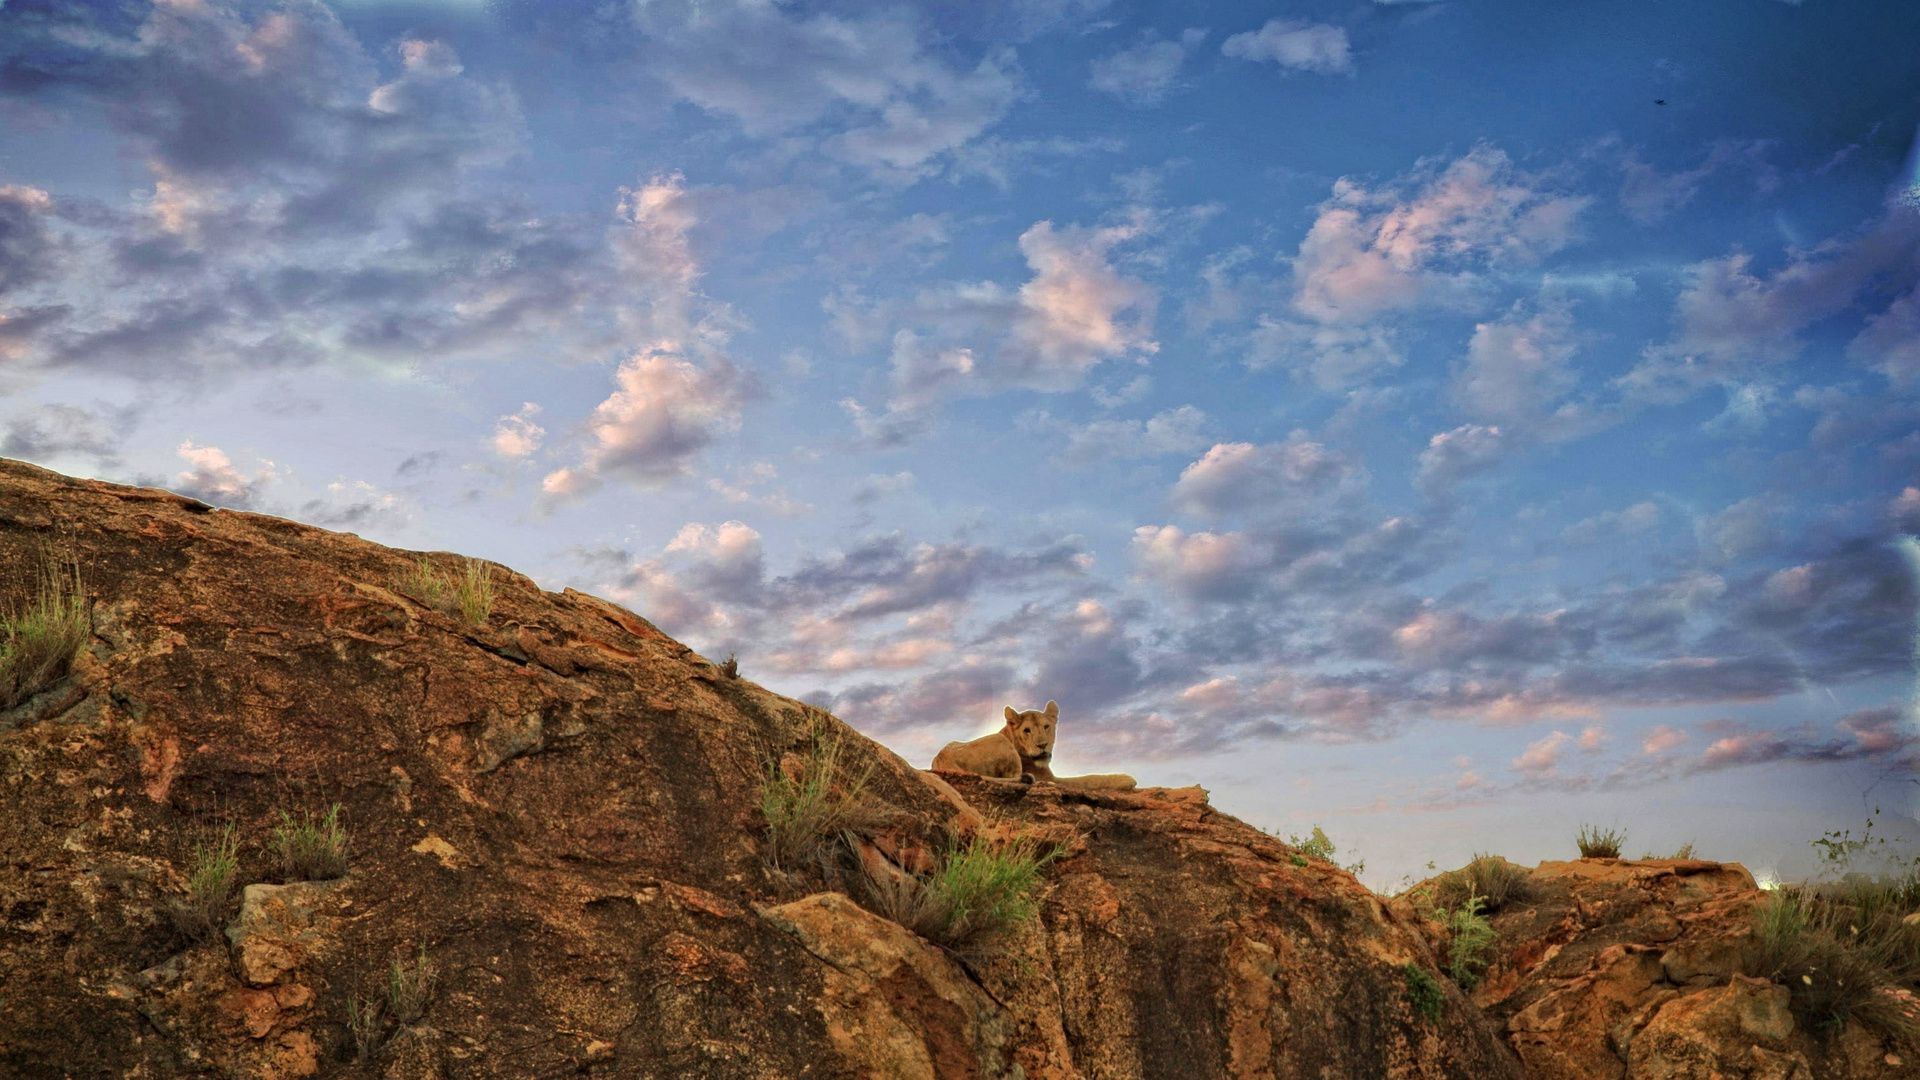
point(1022, 751)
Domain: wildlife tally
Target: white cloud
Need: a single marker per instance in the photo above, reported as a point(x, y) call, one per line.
point(1452, 456)
point(875, 94)
point(516, 435)
point(1202, 564)
point(1242, 476)
point(1520, 366)
point(213, 478)
point(1172, 431)
point(1144, 73)
point(1661, 739)
point(1632, 521)
point(1334, 357)
point(1301, 46)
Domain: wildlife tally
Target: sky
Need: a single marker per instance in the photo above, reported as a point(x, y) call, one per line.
point(1446, 422)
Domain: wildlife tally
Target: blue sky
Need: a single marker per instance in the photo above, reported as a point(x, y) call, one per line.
point(1447, 422)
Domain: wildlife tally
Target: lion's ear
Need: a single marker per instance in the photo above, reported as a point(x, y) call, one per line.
point(1052, 710)
point(1012, 717)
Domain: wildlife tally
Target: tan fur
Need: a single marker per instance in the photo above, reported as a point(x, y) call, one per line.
point(1022, 749)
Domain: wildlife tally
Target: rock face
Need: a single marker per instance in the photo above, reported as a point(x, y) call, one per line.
point(1631, 970)
point(560, 807)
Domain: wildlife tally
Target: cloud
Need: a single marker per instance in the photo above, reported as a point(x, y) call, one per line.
point(1649, 196)
point(1074, 313)
point(1731, 322)
point(1143, 74)
point(26, 246)
point(1201, 565)
point(1662, 739)
point(866, 88)
point(1429, 240)
point(516, 435)
point(874, 488)
point(1453, 456)
point(1520, 367)
point(1299, 46)
point(1874, 733)
point(1171, 431)
point(1241, 476)
point(1632, 521)
point(51, 431)
point(1542, 756)
point(212, 478)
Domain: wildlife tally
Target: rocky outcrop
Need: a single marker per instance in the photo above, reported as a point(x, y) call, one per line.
point(559, 811)
point(1631, 970)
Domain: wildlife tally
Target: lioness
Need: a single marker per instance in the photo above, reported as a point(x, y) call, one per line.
point(1022, 751)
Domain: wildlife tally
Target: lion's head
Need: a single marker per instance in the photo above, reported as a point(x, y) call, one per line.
point(1032, 731)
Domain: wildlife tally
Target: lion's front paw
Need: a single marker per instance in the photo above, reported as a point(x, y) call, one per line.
point(1026, 778)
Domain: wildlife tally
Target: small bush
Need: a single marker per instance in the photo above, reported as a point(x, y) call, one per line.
point(1596, 843)
point(1424, 992)
point(39, 641)
point(410, 987)
point(211, 884)
point(1493, 879)
point(806, 815)
point(466, 595)
point(978, 894)
point(311, 847)
point(1469, 938)
point(1317, 845)
point(1684, 851)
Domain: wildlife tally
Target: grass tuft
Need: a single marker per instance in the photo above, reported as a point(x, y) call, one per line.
point(806, 814)
point(1846, 950)
point(366, 1022)
point(311, 847)
point(1319, 846)
point(1424, 992)
point(979, 893)
point(1596, 843)
point(410, 987)
point(466, 595)
point(1493, 879)
point(211, 884)
point(39, 641)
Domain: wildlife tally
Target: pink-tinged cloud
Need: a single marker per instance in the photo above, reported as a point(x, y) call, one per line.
point(1661, 739)
point(1592, 737)
point(1542, 755)
point(517, 435)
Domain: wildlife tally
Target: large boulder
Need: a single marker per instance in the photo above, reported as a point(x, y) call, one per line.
point(559, 809)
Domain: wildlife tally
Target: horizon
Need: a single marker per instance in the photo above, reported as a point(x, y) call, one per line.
point(1445, 422)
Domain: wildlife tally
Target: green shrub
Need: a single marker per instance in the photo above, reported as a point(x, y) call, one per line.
point(211, 883)
point(366, 1022)
point(1596, 843)
point(466, 595)
point(807, 814)
point(1493, 879)
point(311, 847)
point(1317, 845)
point(1424, 992)
point(1469, 938)
point(39, 641)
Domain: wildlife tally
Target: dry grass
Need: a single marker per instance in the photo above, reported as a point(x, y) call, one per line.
point(311, 847)
point(1596, 843)
point(1494, 880)
point(211, 884)
point(466, 595)
point(807, 814)
point(366, 1023)
point(410, 987)
point(1847, 950)
point(39, 641)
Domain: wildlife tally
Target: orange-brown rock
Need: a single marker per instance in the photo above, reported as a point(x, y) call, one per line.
point(1631, 970)
point(561, 807)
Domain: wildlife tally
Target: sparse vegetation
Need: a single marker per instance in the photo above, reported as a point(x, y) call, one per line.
point(466, 595)
point(730, 667)
point(1846, 951)
point(1424, 992)
point(39, 640)
point(1598, 843)
point(806, 814)
point(1317, 845)
point(366, 1022)
point(1469, 938)
point(311, 847)
point(211, 883)
point(1685, 851)
point(980, 892)
point(1494, 880)
point(410, 987)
